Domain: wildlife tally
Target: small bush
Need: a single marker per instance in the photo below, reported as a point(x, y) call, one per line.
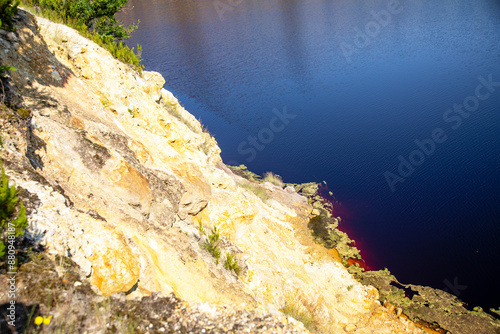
point(8, 9)
point(274, 179)
point(13, 221)
point(213, 244)
point(232, 264)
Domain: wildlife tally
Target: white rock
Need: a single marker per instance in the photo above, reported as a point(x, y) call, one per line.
point(12, 37)
point(56, 76)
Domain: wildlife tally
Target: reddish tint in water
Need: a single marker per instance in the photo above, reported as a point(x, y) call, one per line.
point(341, 211)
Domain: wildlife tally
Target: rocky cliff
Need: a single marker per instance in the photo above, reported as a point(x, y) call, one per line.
point(120, 178)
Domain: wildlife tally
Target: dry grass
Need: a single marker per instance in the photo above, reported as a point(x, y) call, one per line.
point(305, 310)
point(297, 311)
point(174, 111)
point(273, 179)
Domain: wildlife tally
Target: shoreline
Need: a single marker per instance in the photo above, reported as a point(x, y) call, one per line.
point(431, 309)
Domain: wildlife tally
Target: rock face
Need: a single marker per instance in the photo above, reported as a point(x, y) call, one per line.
point(123, 180)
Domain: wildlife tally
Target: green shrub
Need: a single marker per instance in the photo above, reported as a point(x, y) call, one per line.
point(97, 15)
point(13, 219)
point(232, 264)
point(213, 244)
point(94, 20)
point(8, 9)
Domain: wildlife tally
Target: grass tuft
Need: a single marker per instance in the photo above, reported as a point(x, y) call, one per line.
point(232, 264)
point(307, 312)
point(201, 228)
point(213, 244)
point(273, 179)
point(297, 311)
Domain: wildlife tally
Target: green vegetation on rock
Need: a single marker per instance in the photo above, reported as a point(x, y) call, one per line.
point(13, 221)
point(213, 245)
point(3, 69)
point(8, 8)
point(325, 231)
point(495, 311)
point(94, 20)
point(232, 264)
point(23, 112)
point(243, 171)
point(438, 309)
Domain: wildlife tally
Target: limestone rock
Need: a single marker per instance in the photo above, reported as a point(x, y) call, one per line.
point(153, 84)
point(12, 37)
point(56, 76)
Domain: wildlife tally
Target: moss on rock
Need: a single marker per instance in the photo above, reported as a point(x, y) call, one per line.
point(435, 308)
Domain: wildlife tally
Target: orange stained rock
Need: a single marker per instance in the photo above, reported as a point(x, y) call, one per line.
point(427, 330)
point(194, 178)
point(422, 327)
point(77, 123)
point(114, 270)
point(361, 263)
point(130, 179)
point(335, 255)
point(141, 152)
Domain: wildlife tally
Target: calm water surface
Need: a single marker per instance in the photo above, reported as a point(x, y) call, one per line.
point(361, 90)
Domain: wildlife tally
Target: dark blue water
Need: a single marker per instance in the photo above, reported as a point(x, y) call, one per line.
point(358, 88)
